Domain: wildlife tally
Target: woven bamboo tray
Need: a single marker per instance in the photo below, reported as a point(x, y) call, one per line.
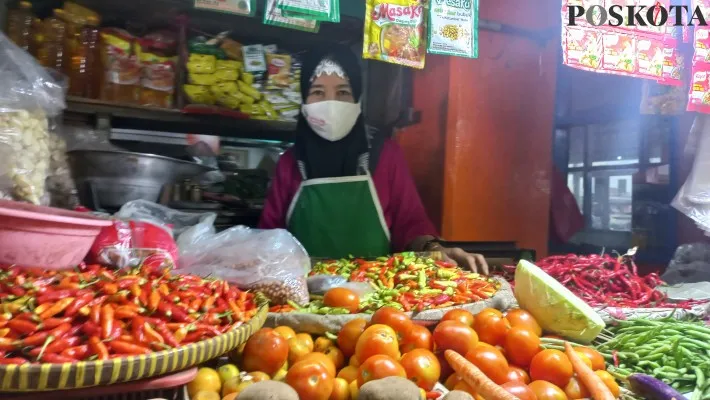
point(46, 377)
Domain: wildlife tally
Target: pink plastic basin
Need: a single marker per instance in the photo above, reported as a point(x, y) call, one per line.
point(46, 237)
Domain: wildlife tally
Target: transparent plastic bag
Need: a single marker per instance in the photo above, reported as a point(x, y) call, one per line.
point(29, 96)
point(690, 263)
point(270, 261)
point(693, 199)
point(320, 284)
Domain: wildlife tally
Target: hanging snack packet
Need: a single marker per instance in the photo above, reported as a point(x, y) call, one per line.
point(619, 53)
point(673, 64)
point(394, 32)
point(317, 10)
point(274, 16)
point(649, 53)
point(582, 48)
point(453, 28)
point(699, 97)
point(702, 45)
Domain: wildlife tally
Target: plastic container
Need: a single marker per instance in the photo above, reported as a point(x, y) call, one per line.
point(52, 238)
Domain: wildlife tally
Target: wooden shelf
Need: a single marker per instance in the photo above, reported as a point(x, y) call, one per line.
point(174, 121)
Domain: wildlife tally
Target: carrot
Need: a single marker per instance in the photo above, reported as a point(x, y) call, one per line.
point(590, 380)
point(476, 378)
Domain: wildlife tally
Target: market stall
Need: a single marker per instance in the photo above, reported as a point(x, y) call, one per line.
point(153, 298)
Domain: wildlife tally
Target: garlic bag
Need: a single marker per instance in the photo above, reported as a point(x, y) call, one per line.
point(30, 95)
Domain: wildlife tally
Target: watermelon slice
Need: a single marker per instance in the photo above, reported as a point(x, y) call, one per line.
point(555, 308)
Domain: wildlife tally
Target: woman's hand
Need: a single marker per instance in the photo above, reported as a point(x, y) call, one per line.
point(474, 262)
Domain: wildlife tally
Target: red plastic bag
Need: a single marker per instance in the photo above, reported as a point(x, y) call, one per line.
point(129, 243)
point(566, 217)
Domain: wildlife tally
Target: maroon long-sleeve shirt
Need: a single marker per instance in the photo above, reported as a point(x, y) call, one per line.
point(400, 201)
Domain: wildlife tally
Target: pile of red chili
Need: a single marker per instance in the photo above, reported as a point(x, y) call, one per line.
point(603, 280)
point(97, 313)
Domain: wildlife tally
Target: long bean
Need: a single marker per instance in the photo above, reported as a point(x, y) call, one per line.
point(676, 352)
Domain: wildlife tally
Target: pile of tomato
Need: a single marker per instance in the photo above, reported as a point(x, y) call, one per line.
point(506, 347)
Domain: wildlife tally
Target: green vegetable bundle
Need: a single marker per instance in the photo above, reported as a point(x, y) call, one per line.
point(676, 352)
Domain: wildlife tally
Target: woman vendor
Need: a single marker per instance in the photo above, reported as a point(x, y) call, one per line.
point(340, 192)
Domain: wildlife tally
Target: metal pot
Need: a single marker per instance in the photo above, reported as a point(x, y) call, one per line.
point(113, 178)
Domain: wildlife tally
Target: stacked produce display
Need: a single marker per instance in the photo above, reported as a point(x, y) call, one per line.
point(407, 282)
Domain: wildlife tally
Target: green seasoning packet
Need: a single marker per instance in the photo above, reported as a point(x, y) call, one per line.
point(318, 10)
point(273, 15)
point(453, 28)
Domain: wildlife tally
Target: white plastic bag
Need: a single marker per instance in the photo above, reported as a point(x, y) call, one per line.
point(693, 199)
point(29, 96)
point(270, 261)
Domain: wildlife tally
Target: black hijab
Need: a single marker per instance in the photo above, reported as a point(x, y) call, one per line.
point(323, 158)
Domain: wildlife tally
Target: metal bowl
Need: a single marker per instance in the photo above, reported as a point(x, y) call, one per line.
point(114, 178)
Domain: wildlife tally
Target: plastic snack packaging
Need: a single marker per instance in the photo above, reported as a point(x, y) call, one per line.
point(279, 68)
point(318, 10)
point(453, 28)
point(122, 72)
point(273, 15)
point(394, 32)
point(582, 48)
point(619, 53)
point(699, 97)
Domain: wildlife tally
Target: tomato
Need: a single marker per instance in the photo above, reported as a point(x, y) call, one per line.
point(377, 339)
point(517, 374)
point(322, 343)
point(523, 319)
point(452, 381)
point(258, 376)
point(585, 359)
point(491, 362)
point(486, 312)
point(341, 390)
point(460, 315)
point(336, 356)
point(342, 297)
point(306, 339)
point(378, 367)
point(354, 362)
point(547, 391)
point(521, 345)
point(285, 331)
point(422, 368)
point(348, 335)
point(491, 329)
point(310, 380)
point(265, 351)
point(296, 349)
point(594, 356)
point(575, 390)
point(395, 319)
point(552, 366)
point(319, 358)
point(465, 387)
point(609, 381)
point(453, 335)
point(519, 390)
point(418, 337)
point(348, 373)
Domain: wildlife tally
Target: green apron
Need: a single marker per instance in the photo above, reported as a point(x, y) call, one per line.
point(339, 217)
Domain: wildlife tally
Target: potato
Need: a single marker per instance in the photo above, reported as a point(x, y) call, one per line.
point(458, 395)
point(268, 390)
point(392, 388)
